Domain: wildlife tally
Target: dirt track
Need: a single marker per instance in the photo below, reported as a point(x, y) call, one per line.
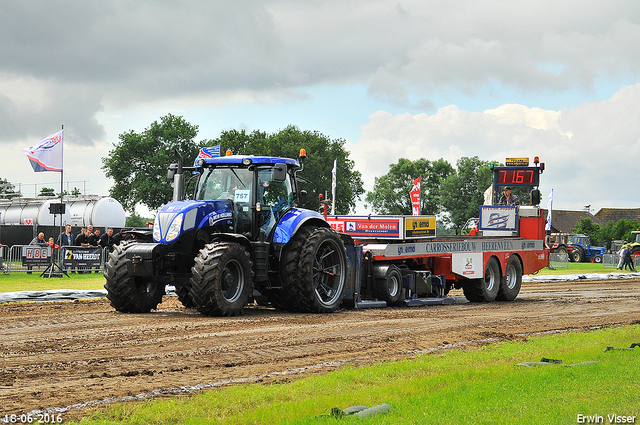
point(61, 354)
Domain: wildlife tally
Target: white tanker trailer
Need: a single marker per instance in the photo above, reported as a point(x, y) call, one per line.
point(83, 210)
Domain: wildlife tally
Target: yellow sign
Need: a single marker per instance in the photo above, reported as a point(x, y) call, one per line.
point(416, 227)
point(517, 162)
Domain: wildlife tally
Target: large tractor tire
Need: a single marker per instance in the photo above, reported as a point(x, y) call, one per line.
point(221, 279)
point(389, 287)
point(577, 255)
point(313, 271)
point(130, 294)
point(485, 289)
point(511, 281)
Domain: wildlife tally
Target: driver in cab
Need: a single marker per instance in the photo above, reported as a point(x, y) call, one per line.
point(508, 198)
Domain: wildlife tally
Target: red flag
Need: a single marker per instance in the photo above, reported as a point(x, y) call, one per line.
point(415, 196)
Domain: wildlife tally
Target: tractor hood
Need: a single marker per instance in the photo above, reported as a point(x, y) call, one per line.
point(175, 218)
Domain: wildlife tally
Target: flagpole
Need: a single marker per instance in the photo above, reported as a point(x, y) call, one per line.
point(62, 171)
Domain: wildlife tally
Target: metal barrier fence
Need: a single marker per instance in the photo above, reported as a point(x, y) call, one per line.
point(37, 259)
point(610, 260)
point(558, 259)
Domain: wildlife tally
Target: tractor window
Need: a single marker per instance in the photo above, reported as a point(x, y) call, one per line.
point(275, 196)
point(224, 183)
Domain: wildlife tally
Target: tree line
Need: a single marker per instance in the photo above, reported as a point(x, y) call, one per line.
point(138, 165)
point(603, 235)
point(139, 160)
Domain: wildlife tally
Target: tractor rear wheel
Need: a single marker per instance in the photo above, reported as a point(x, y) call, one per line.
point(130, 294)
point(313, 271)
point(221, 279)
point(577, 255)
point(485, 289)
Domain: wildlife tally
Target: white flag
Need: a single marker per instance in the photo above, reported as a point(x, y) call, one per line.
point(549, 211)
point(47, 154)
point(333, 187)
point(488, 195)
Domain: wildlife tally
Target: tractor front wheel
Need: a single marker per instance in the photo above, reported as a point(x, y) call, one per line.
point(130, 294)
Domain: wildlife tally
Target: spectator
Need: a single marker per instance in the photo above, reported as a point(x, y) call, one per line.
point(66, 238)
point(119, 238)
point(92, 239)
point(628, 260)
point(40, 241)
point(107, 240)
point(81, 239)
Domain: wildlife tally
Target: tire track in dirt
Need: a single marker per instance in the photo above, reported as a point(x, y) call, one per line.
point(63, 353)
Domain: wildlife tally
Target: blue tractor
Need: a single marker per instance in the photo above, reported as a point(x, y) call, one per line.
point(582, 250)
point(240, 232)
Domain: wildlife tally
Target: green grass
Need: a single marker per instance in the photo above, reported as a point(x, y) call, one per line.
point(482, 386)
point(20, 281)
point(580, 268)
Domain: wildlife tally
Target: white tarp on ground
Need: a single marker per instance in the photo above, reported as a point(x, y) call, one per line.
point(59, 295)
point(588, 276)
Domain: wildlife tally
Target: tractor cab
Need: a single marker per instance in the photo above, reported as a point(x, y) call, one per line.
point(257, 190)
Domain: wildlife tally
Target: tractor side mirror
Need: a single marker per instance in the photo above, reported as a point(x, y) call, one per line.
point(172, 171)
point(280, 172)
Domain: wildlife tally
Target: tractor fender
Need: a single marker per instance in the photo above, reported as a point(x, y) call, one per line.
point(292, 220)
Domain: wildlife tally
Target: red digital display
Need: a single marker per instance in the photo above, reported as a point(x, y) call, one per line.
point(515, 176)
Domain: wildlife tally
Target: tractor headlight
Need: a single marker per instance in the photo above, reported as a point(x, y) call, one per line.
point(174, 228)
point(156, 230)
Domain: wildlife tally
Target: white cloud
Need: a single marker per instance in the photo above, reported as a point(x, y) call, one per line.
point(586, 149)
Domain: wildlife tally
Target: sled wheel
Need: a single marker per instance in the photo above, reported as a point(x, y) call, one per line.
point(511, 281)
point(221, 279)
point(389, 287)
point(485, 289)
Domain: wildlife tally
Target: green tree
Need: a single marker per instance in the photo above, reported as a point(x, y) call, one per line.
point(321, 152)
point(134, 220)
point(138, 163)
point(7, 190)
point(587, 226)
point(47, 191)
point(620, 230)
point(390, 194)
point(463, 191)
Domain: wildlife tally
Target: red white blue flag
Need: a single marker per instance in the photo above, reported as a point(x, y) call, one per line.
point(208, 152)
point(46, 155)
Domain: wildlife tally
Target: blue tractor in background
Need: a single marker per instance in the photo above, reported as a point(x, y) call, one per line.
point(240, 232)
point(582, 250)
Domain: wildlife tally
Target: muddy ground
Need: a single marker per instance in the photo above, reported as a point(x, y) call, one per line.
point(65, 354)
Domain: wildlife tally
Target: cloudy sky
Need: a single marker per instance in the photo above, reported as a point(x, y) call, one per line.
point(396, 79)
